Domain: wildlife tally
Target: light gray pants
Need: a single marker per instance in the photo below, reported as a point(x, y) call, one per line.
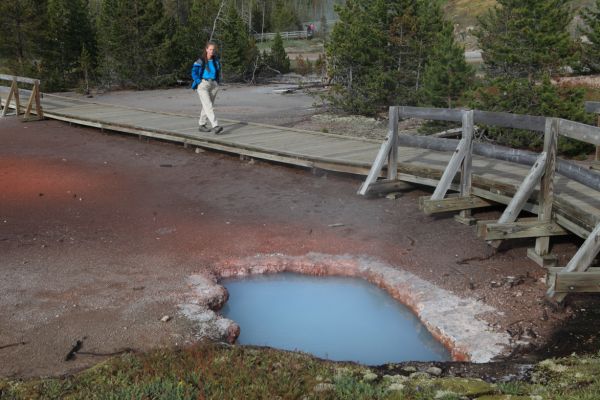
point(207, 91)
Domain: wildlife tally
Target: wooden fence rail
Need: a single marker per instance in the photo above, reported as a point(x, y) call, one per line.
point(293, 35)
point(544, 166)
point(13, 95)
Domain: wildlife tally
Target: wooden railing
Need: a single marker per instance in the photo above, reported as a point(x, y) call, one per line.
point(542, 172)
point(293, 35)
point(13, 96)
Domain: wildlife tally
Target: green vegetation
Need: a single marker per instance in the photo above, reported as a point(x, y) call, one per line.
point(526, 38)
point(138, 43)
point(212, 371)
point(524, 43)
point(591, 29)
point(277, 58)
point(379, 52)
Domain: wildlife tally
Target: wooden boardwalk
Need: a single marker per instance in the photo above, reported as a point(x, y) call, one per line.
point(576, 206)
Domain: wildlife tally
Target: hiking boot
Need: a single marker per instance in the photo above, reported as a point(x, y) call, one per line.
point(204, 128)
point(217, 129)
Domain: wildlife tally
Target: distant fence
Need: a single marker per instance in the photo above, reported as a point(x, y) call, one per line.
point(294, 35)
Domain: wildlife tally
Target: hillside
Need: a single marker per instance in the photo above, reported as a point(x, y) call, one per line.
point(465, 12)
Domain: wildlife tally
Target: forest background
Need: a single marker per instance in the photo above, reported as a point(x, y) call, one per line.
point(377, 53)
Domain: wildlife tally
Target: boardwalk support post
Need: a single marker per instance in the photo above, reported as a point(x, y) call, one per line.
point(387, 153)
point(580, 262)
point(460, 160)
point(540, 254)
point(14, 93)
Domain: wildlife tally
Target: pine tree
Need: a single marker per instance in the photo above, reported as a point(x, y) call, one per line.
point(69, 31)
point(237, 50)
point(278, 59)
point(591, 50)
point(379, 50)
point(526, 38)
point(131, 36)
point(23, 25)
point(447, 74)
point(283, 17)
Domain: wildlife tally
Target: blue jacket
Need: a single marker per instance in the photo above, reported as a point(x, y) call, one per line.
point(198, 71)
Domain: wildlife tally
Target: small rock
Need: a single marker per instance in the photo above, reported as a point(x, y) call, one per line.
point(395, 378)
point(199, 150)
point(435, 371)
point(419, 375)
point(409, 369)
point(444, 394)
point(166, 318)
point(395, 387)
point(369, 376)
point(324, 387)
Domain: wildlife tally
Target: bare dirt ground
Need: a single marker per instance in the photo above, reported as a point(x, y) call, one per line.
point(99, 232)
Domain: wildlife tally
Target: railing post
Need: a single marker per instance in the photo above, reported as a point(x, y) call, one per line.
point(546, 195)
point(392, 169)
point(9, 98)
point(15, 90)
point(467, 165)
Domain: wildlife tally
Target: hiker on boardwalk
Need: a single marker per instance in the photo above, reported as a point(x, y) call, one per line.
point(206, 74)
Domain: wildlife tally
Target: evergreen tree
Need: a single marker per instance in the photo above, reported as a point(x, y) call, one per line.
point(237, 50)
point(524, 96)
point(447, 74)
point(526, 38)
point(69, 31)
point(283, 17)
point(378, 52)
point(524, 43)
point(323, 29)
point(23, 25)
point(278, 59)
point(131, 38)
point(591, 50)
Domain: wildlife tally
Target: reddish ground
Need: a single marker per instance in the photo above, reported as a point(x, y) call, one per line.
point(98, 233)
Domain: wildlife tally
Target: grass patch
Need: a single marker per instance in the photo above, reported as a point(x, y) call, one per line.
point(314, 45)
point(210, 371)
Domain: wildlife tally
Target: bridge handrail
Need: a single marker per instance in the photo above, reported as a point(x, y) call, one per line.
point(20, 79)
point(575, 130)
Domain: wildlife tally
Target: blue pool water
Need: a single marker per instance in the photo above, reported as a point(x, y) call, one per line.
point(341, 319)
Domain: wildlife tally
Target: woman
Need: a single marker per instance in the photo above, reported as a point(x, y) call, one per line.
point(206, 76)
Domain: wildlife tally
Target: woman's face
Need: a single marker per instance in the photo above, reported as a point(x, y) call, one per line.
point(210, 51)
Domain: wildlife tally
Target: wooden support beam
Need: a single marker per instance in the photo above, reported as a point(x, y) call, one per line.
point(15, 89)
point(523, 194)
point(581, 261)
point(519, 229)
point(384, 153)
point(387, 186)
point(577, 282)
point(453, 203)
point(11, 94)
point(31, 100)
point(466, 179)
point(392, 168)
point(546, 194)
point(377, 166)
point(38, 103)
point(451, 170)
